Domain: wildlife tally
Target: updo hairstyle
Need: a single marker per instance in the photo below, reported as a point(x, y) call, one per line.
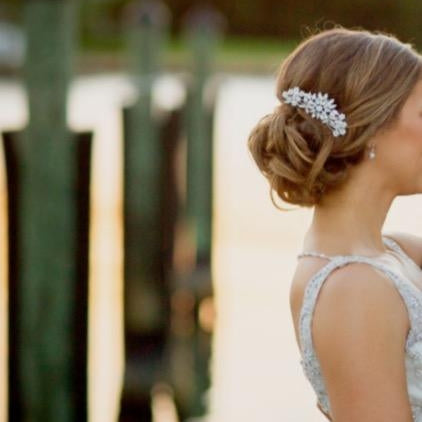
point(368, 74)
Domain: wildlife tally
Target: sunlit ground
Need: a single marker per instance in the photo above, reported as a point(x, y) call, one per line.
point(255, 366)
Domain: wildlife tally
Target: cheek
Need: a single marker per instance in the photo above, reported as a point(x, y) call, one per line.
point(410, 134)
point(403, 145)
point(416, 127)
point(403, 151)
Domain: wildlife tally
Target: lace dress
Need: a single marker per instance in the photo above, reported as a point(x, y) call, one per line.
point(412, 297)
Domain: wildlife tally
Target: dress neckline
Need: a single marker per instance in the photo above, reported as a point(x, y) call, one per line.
point(391, 244)
point(331, 257)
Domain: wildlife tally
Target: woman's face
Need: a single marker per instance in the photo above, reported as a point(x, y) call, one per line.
point(401, 146)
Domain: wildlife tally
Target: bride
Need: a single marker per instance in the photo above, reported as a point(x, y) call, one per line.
point(346, 139)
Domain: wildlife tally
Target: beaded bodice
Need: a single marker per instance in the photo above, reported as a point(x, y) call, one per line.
point(412, 297)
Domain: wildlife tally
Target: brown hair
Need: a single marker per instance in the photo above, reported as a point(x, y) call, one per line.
point(368, 74)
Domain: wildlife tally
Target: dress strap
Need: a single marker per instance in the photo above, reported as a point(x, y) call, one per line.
point(409, 293)
point(395, 246)
point(392, 244)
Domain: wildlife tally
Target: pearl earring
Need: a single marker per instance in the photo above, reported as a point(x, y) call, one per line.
point(372, 152)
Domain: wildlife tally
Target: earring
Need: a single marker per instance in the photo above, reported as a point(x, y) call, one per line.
point(372, 152)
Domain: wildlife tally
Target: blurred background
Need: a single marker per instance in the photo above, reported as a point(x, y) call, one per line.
point(144, 272)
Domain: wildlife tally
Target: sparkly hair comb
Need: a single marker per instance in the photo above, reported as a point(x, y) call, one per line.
point(319, 106)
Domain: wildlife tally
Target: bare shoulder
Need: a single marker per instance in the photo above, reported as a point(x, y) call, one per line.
point(410, 243)
point(359, 331)
point(351, 291)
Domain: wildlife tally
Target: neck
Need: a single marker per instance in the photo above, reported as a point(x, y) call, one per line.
point(351, 221)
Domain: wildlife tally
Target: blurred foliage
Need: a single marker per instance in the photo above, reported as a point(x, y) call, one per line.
point(241, 54)
point(288, 18)
point(259, 28)
point(9, 10)
point(101, 20)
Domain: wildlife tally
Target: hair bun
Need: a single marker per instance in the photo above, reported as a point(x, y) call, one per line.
point(369, 75)
point(279, 146)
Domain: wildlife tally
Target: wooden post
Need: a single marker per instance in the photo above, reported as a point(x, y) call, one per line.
point(203, 27)
point(48, 184)
point(202, 30)
point(146, 307)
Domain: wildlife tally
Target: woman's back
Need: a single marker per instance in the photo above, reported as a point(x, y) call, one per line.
point(398, 333)
point(345, 140)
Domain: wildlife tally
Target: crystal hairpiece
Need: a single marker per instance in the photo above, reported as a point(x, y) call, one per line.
point(318, 106)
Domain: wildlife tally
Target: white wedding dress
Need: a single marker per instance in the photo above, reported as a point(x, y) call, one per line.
point(412, 296)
